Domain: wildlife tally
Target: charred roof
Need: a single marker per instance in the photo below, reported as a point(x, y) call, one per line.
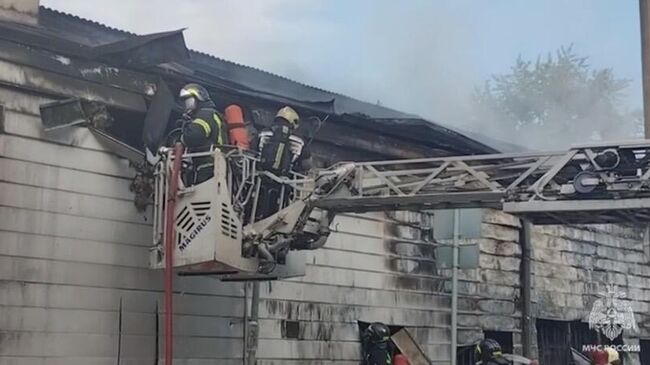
point(164, 55)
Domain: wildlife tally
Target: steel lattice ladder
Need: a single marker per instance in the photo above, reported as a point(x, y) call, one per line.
point(605, 183)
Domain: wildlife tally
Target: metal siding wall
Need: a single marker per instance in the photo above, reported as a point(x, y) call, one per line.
point(369, 270)
point(569, 263)
point(72, 247)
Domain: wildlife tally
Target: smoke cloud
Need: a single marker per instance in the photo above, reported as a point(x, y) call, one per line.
point(420, 57)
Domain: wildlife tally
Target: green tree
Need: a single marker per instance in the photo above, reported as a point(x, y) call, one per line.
point(554, 102)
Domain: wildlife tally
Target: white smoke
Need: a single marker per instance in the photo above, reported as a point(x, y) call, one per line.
point(420, 57)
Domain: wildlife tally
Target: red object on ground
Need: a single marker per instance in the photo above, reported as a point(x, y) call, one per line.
point(172, 191)
point(237, 132)
point(400, 359)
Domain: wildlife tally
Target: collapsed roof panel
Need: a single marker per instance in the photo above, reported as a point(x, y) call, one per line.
point(129, 49)
point(145, 50)
point(405, 131)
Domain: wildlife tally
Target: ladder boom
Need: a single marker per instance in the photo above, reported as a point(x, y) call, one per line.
point(603, 183)
point(217, 231)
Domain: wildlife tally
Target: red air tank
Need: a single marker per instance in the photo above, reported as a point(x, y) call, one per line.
point(237, 133)
point(400, 359)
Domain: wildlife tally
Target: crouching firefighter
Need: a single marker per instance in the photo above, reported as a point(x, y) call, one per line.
point(201, 128)
point(376, 344)
point(281, 152)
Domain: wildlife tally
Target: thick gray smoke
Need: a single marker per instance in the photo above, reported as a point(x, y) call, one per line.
point(402, 55)
point(420, 57)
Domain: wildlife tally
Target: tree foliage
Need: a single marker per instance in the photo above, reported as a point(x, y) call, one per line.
point(555, 101)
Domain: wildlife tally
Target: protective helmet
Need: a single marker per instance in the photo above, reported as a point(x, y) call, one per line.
point(287, 113)
point(612, 356)
point(378, 332)
point(488, 349)
point(191, 94)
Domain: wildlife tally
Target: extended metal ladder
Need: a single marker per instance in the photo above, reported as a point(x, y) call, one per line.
point(604, 183)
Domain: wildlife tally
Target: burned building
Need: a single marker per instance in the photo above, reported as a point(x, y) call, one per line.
point(75, 287)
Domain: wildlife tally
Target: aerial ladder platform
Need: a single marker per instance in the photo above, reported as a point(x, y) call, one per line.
point(215, 228)
point(590, 184)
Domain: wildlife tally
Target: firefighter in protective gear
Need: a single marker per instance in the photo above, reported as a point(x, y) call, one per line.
point(489, 352)
point(606, 356)
point(201, 128)
point(281, 149)
point(377, 346)
point(613, 357)
point(281, 152)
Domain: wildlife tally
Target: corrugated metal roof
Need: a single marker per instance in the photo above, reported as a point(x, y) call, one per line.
point(90, 33)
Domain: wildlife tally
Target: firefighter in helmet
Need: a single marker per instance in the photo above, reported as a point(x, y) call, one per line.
point(376, 344)
point(606, 356)
point(489, 352)
point(201, 128)
point(282, 151)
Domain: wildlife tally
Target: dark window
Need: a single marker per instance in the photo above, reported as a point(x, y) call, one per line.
point(552, 340)
point(503, 338)
point(466, 355)
point(555, 338)
point(581, 335)
point(645, 352)
point(290, 329)
point(126, 127)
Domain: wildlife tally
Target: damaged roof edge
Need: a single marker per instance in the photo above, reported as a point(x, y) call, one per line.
point(92, 34)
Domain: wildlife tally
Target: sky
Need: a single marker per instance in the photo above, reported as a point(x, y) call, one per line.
point(418, 56)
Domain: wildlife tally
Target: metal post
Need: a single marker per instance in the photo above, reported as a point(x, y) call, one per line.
point(170, 228)
point(253, 328)
point(526, 315)
point(245, 340)
point(454, 287)
point(644, 14)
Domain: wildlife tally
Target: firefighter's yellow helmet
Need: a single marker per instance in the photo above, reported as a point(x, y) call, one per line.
point(287, 113)
point(612, 355)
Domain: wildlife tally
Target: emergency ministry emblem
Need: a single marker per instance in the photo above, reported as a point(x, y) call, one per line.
point(610, 314)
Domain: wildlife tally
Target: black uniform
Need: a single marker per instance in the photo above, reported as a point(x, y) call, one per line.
point(277, 157)
point(378, 354)
point(489, 352)
point(376, 344)
point(203, 128)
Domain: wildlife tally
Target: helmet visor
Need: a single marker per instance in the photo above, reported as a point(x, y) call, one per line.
point(190, 103)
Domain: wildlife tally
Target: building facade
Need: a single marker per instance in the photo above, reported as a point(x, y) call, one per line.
point(75, 287)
